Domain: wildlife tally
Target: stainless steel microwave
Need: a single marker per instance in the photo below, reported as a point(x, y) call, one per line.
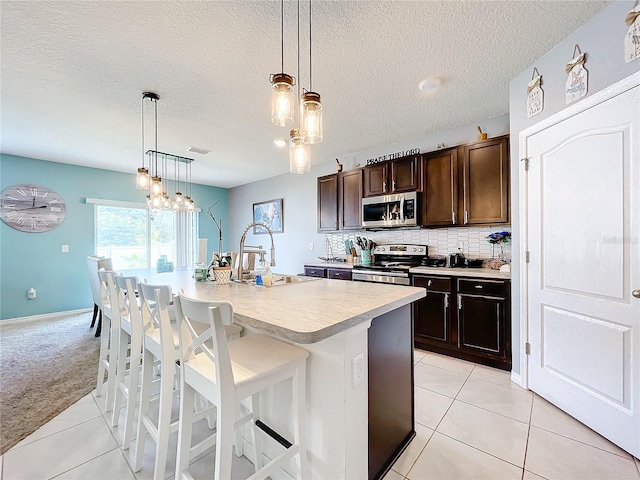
point(398, 210)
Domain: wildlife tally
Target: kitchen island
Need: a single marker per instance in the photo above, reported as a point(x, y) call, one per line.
point(359, 372)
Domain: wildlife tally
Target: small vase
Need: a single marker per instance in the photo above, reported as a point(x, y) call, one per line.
point(222, 275)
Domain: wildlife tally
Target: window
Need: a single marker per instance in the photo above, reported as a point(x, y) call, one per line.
point(135, 239)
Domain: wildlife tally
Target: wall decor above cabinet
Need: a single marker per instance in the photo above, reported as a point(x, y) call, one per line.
point(396, 176)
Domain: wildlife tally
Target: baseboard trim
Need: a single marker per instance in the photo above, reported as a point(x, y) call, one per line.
point(44, 316)
point(517, 379)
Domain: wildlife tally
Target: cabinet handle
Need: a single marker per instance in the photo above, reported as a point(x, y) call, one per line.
point(429, 283)
point(393, 185)
point(453, 217)
point(459, 302)
point(478, 286)
point(446, 300)
point(466, 216)
point(384, 186)
point(337, 274)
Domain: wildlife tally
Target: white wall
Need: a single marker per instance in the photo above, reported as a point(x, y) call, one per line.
point(300, 196)
point(602, 40)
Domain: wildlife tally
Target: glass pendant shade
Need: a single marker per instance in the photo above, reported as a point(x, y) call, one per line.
point(299, 156)
point(282, 99)
point(142, 179)
point(311, 118)
point(178, 201)
point(157, 201)
point(156, 186)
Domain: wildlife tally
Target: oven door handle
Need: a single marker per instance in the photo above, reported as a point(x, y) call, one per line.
point(402, 209)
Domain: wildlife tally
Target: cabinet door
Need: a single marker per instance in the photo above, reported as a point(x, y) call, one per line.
point(440, 197)
point(486, 182)
point(375, 180)
point(482, 325)
point(315, 272)
point(431, 314)
point(339, 273)
point(350, 199)
point(406, 174)
point(328, 203)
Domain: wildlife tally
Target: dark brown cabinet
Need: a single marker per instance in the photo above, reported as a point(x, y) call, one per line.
point(396, 176)
point(485, 182)
point(440, 196)
point(335, 273)
point(432, 313)
point(339, 201)
point(328, 203)
point(475, 326)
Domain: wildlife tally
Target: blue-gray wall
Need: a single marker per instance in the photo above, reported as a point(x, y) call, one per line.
point(601, 39)
point(35, 259)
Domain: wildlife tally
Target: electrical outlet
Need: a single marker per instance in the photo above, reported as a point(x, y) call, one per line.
point(460, 245)
point(311, 246)
point(65, 248)
point(357, 367)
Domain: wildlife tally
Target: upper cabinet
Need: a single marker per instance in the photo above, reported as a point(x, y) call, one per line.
point(440, 196)
point(485, 182)
point(340, 201)
point(396, 176)
point(328, 203)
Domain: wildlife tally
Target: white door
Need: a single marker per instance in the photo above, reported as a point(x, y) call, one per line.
point(583, 238)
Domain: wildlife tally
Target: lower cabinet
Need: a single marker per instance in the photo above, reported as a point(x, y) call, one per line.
point(329, 272)
point(476, 326)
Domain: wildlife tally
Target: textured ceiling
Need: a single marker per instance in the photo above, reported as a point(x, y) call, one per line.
point(73, 73)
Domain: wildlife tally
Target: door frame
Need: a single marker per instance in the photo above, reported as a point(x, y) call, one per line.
point(603, 95)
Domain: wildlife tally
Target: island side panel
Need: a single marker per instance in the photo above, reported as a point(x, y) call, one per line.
point(391, 401)
point(337, 421)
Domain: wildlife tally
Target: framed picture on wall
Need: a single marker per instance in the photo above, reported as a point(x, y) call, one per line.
point(271, 213)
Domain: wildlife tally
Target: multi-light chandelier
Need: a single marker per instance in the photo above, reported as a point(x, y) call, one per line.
point(283, 106)
point(156, 177)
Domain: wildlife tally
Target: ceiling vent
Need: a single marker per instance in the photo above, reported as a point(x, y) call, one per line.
point(201, 151)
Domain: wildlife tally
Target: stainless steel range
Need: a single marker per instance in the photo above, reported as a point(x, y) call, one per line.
point(391, 264)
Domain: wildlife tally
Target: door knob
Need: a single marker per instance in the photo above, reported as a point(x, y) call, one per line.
point(636, 293)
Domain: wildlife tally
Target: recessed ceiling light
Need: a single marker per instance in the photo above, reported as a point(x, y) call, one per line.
point(200, 150)
point(429, 84)
point(280, 143)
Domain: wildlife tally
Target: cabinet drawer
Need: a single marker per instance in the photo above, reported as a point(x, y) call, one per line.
point(339, 273)
point(491, 288)
point(440, 284)
point(315, 272)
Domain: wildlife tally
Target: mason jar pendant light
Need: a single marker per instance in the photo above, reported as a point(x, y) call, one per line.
point(299, 155)
point(142, 178)
point(310, 106)
point(282, 94)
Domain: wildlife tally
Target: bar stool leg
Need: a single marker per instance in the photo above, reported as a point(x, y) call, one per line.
point(224, 432)
point(298, 390)
point(256, 437)
point(187, 397)
point(143, 411)
point(164, 419)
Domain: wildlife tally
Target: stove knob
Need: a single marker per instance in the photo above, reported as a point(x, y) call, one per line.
point(382, 249)
point(415, 249)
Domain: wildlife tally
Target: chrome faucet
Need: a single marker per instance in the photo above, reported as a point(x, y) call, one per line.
point(259, 247)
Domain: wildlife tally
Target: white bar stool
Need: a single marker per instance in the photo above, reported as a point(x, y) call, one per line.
point(130, 335)
point(227, 374)
point(109, 346)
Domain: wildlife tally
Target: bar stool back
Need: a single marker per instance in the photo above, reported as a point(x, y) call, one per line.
point(228, 373)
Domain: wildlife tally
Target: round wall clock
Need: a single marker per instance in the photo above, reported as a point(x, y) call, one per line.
point(31, 208)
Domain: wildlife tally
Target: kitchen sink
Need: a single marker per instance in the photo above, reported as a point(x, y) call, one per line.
point(288, 279)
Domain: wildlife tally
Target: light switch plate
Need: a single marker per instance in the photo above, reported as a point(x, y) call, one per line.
point(65, 248)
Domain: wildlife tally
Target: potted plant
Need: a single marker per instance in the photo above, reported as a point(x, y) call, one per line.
point(220, 268)
point(498, 238)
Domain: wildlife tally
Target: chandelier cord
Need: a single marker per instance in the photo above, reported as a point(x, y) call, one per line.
point(310, 77)
point(282, 34)
point(299, 49)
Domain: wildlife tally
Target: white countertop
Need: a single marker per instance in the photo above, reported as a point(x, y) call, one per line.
point(303, 312)
point(461, 272)
point(322, 264)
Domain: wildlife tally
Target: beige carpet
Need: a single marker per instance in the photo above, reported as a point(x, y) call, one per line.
point(45, 366)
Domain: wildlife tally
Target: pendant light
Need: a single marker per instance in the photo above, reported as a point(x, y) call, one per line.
point(282, 95)
point(310, 106)
point(299, 155)
point(178, 201)
point(142, 178)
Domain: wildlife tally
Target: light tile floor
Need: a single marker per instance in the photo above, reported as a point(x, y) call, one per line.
point(472, 422)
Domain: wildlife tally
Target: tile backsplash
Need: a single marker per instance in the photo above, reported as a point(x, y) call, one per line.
point(441, 241)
